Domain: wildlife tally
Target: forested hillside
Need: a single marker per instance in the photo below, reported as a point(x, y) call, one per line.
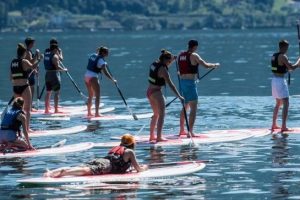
point(146, 14)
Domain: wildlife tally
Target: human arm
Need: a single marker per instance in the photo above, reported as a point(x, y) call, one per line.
point(283, 59)
point(129, 155)
point(21, 117)
point(107, 74)
point(196, 59)
point(57, 63)
point(165, 74)
point(60, 54)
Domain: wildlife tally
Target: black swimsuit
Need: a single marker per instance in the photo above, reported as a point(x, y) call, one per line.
point(20, 89)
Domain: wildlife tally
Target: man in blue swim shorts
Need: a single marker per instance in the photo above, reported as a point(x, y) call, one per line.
point(188, 62)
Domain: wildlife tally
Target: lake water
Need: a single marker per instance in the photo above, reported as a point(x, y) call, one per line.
point(235, 96)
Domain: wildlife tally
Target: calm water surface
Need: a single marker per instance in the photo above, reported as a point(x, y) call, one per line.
point(235, 96)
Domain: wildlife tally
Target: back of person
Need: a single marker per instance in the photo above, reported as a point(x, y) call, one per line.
point(185, 65)
point(10, 126)
point(116, 157)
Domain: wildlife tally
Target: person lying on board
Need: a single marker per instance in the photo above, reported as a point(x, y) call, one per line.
point(118, 160)
point(10, 132)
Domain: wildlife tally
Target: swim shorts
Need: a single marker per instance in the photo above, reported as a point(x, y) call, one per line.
point(99, 166)
point(279, 88)
point(189, 90)
point(7, 136)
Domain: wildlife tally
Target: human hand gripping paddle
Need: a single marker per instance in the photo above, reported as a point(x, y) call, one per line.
point(167, 105)
point(72, 80)
point(117, 86)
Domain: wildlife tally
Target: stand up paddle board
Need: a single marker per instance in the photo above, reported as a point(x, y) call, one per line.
point(63, 131)
point(50, 151)
point(68, 113)
point(120, 117)
point(149, 175)
point(181, 141)
point(211, 134)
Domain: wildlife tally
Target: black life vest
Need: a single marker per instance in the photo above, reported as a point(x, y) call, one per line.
point(276, 68)
point(48, 55)
point(115, 155)
point(153, 74)
point(10, 121)
point(185, 65)
point(16, 69)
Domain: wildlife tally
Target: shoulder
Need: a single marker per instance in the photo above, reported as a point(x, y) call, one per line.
point(21, 116)
point(101, 62)
point(129, 152)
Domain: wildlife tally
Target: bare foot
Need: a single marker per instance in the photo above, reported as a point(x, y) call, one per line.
point(182, 133)
point(286, 130)
point(275, 127)
point(47, 112)
point(161, 139)
point(57, 111)
point(98, 115)
point(89, 115)
point(54, 173)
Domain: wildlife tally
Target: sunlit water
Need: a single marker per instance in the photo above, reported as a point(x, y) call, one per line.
point(235, 96)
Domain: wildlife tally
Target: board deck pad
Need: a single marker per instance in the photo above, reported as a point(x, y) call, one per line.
point(50, 151)
point(148, 175)
point(121, 117)
point(63, 131)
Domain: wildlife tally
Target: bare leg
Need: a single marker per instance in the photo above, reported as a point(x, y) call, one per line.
point(159, 109)
point(90, 98)
point(56, 99)
point(47, 102)
point(96, 89)
point(192, 117)
point(68, 171)
point(153, 119)
point(32, 93)
point(285, 111)
point(275, 114)
point(27, 105)
point(182, 120)
point(20, 144)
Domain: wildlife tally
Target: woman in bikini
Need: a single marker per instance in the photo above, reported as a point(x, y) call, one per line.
point(19, 76)
point(96, 65)
point(158, 77)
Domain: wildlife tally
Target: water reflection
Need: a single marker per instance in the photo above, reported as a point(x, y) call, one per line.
point(280, 157)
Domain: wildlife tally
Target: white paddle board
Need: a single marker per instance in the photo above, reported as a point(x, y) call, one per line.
point(180, 141)
point(63, 131)
point(50, 151)
point(120, 117)
point(150, 174)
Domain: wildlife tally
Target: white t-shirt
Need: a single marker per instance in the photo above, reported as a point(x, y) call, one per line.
point(100, 64)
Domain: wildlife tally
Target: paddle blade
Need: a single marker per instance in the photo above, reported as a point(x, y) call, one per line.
point(59, 144)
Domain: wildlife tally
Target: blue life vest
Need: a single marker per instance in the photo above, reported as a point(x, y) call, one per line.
point(10, 121)
point(93, 62)
point(48, 55)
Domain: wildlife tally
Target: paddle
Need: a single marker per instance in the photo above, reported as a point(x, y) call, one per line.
point(178, 163)
point(129, 110)
point(197, 82)
point(40, 96)
point(183, 107)
point(76, 86)
point(37, 90)
point(298, 30)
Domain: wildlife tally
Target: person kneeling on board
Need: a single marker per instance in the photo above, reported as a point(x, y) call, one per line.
point(10, 133)
point(118, 160)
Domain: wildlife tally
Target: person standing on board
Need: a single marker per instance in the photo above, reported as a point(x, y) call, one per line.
point(189, 62)
point(52, 77)
point(280, 66)
point(159, 77)
point(96, 65)
point(10, 133)
point(118, 160)
point(19, 76)
point(32, 58)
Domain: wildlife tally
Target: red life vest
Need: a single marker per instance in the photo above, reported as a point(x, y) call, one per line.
point(115, 155)
point(185, 65)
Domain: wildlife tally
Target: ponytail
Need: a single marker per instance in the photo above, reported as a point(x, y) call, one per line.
point(165, 55)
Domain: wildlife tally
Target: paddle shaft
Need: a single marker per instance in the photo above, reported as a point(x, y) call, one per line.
point(198, 80)
point(122, 96)
point(178, 163)
point(74, 83)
